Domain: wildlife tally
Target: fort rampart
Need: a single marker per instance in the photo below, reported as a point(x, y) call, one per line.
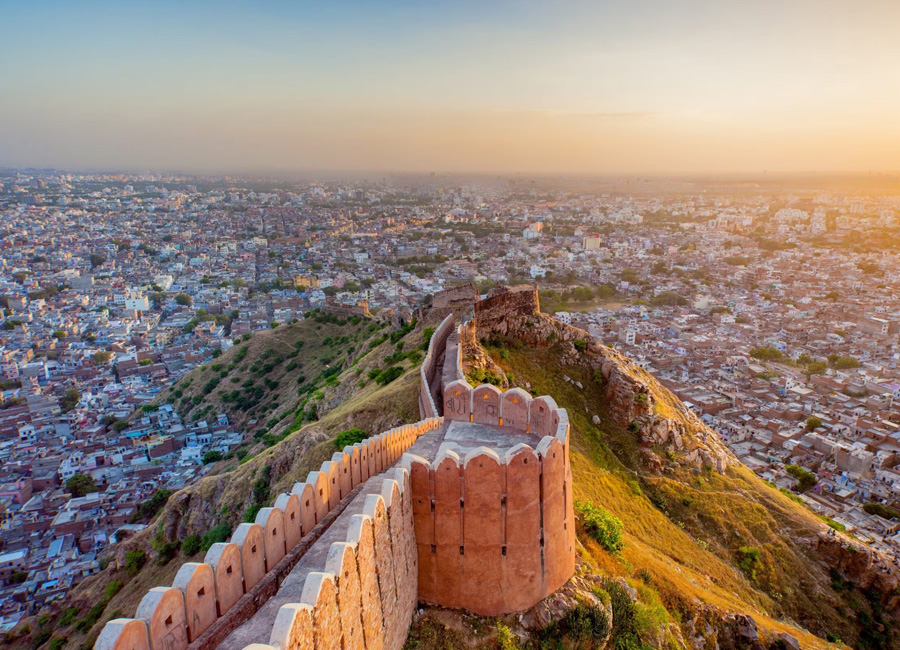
point(493, 535)
point(487, 525)
point(428, 370)
point(374, 571)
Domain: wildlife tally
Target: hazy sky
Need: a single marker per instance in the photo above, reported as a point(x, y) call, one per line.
point(636, 86)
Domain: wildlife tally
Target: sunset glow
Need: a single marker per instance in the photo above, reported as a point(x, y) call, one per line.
point(581, 87)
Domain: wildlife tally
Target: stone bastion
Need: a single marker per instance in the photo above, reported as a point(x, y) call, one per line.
point(472, 510)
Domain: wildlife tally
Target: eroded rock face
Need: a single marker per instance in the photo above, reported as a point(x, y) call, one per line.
point(631, 394)
point(578, 590)
point(862, 566)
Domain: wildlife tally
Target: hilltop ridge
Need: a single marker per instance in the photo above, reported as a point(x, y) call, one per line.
point(708, 555)
point(707, 545)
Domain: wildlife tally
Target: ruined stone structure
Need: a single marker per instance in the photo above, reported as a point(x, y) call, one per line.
point(340, 310)
point(462, 296)
point(476, 515)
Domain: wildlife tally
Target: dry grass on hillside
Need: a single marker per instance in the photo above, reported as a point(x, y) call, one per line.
point(683, 532)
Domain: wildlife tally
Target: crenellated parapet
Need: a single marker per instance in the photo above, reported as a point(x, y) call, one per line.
point(494, 533)
point(477, 516)
point(514, 408)
point(171, 618)
point(365, 595)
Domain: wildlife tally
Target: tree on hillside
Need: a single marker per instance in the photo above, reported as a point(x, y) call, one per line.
point(183, 299)
point(212, 456)
point(81, 484)
point(805, 478)
point(813, 423)
point(96, 260)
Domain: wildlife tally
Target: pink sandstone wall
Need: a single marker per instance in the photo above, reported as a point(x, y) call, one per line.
point(437, 345)
point(379, 560)
point(366, 596)
point(476, 523)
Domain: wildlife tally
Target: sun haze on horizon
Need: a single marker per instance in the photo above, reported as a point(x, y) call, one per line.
point(517, 86)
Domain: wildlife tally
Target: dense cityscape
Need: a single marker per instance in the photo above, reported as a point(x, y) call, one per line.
point(773, 315)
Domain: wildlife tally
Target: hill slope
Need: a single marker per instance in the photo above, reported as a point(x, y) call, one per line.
point(709, 551)
point(705, 540)
point(294, 388)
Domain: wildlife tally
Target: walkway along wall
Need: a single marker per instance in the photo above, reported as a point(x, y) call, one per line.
point(436, 346)
point(365, 596)
point(170, 618)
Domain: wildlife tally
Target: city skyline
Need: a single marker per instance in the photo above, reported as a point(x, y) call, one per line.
point(398, 87)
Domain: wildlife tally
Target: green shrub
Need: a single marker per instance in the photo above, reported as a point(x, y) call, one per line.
point(148, 509)
point(68, 616)
point(112, 589)
point(135, 561)
point(580, 345)
point(40, 637)
point(585, 623)
point(349, 437)
point(838, 526)
point(601, 525)
point(214, 535)
point(625, 633)
point(506, 640)
point(57, 643)
point(748, 560)
point(190, 545)
point(388, 375)
point(212, 457)
point(251, 512)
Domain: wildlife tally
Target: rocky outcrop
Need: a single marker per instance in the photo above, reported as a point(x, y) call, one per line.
point(867, 569)
point(633, 397)
point(581, 589)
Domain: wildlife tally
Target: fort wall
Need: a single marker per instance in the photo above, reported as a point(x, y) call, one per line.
point(437, 345)
point(340, 310)
point(461, 296)
point(171, 618)
point(494, 534)
point(502, 303)
point(365, 596)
